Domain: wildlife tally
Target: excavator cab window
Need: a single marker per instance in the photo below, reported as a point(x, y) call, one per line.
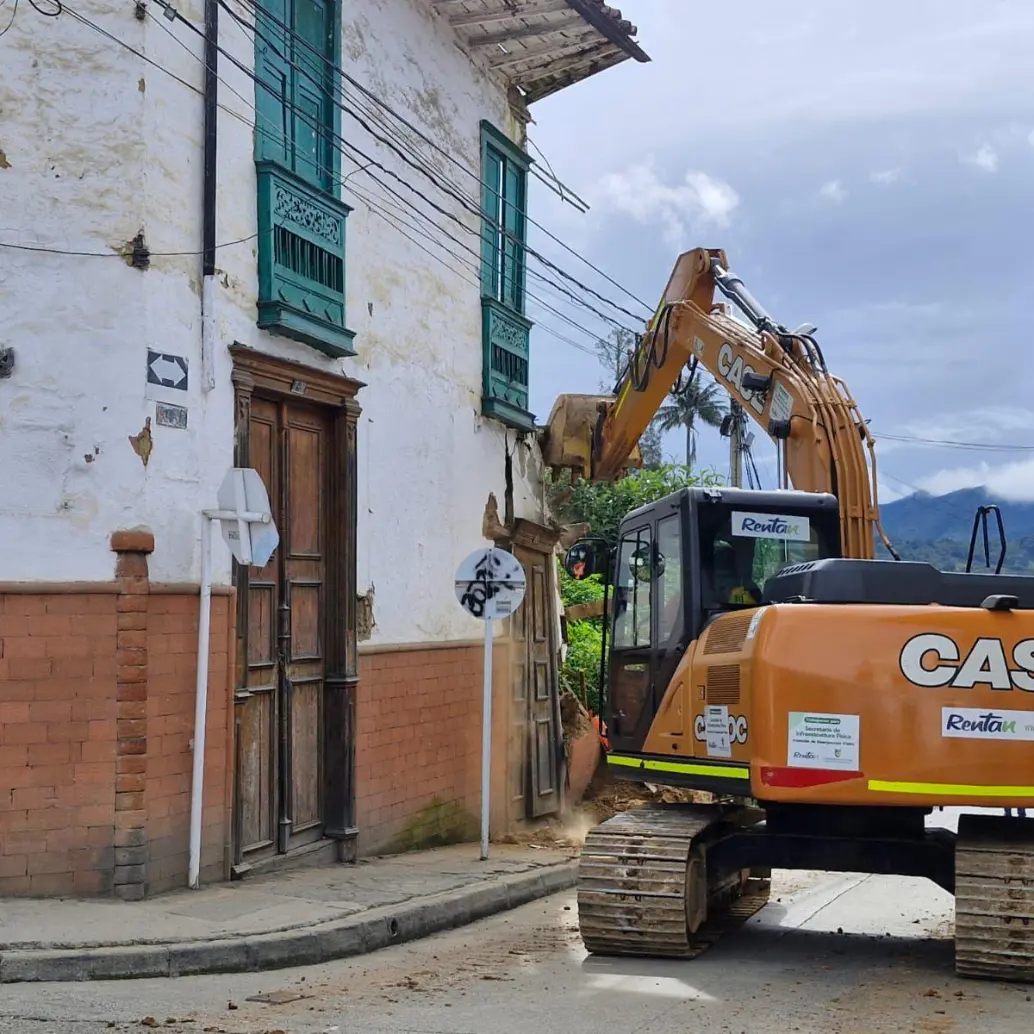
point(632, 591)
point(684, 560)
point(740, 551)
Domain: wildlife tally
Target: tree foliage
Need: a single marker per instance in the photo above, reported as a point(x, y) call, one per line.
point(951, 554)
point(613, 353)
point(580, 673)
point(603, 505)
point(650, 447)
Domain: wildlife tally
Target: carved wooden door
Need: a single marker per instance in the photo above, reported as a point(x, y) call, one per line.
point(281, 680)
point(536, 694)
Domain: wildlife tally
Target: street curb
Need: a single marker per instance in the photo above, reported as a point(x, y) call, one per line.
point(322, 942)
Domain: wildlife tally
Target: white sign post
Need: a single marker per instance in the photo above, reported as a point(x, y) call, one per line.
point(490, 584)
point(250, 532)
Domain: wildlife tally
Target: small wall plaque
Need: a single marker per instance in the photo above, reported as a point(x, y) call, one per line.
point(167, 415)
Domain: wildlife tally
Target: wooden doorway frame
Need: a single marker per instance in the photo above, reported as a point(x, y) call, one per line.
point(256, 373)
point(535, 538)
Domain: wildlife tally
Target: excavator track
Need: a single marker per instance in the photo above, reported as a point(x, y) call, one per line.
point(643, 888)
point(994, 898)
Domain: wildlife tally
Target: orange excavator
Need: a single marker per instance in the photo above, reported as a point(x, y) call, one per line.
point(828, 701)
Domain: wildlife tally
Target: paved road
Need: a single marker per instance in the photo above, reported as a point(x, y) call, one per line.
point(789, 969)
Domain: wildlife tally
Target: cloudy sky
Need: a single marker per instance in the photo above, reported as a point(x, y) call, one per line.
point(868, 167)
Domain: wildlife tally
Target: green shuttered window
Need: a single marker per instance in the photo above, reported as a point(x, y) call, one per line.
point(505, 329)
point(301, 222)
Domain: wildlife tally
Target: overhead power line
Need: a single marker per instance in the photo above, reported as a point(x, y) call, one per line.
point(463, 198)
point(952, 444)
point(380, 102)
point(114, 253)
point(128, 47)
point(395, 223)
point(474, 267)
point(372, 162)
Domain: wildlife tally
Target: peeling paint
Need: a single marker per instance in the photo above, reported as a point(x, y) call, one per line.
point(107, 156)
point(142, 443)
point(492, 528)
point(365, 622)
point(136, 253)
point(353, 41)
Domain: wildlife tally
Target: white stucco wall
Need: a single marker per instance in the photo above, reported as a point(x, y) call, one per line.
point(100, 145)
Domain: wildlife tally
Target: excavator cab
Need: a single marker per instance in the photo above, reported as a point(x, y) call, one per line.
point(680, 563)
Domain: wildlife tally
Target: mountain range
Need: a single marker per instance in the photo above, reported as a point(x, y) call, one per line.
point(937, 529)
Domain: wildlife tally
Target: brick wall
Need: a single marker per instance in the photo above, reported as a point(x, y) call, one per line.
point(57, 743)
point(418, 751)
point(172, 671)
point(96, 719)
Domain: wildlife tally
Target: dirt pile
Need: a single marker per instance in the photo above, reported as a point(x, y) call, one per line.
point(608, 796)
point(605, 797)
point(574, 718)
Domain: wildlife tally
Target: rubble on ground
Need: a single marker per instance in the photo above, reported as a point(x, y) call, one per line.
point(605, 797)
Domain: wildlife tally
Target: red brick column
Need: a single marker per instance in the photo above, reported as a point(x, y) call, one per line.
point(131, 848)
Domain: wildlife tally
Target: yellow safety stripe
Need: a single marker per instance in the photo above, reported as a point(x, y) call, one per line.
point(682, 767)
point(946, 789)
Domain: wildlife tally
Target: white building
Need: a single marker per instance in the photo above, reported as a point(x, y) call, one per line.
point(356, 333)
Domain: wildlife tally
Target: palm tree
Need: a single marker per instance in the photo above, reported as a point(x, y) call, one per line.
point(696, 404)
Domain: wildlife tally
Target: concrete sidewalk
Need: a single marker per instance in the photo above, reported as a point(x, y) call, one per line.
point(293, 918)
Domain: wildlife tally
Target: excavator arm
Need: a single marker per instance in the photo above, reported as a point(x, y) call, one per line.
point(778, 376)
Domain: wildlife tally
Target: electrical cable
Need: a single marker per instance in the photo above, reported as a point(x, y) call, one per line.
point(121, 43)
point(119, 254)
point(365, 91)
point(950, 444)
point(476, 269)
point(395, 224)
point(143, 57)
point(565, 193)
point(463, 199)
point(14, 14)
point(365, 168)
point(307, 118)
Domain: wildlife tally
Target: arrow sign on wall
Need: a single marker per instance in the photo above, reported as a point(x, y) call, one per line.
point(167, 370)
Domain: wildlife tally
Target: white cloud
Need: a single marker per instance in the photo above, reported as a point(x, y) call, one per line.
point(993, 425)
point(986, 158)
point(833, 191)
point(1013, 481)
point(889, 491)
point(1030, 138)
point(885, 176)
point(698, 200)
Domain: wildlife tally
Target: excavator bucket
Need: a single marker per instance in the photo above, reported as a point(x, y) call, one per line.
point(567, 442)
point(568, 438)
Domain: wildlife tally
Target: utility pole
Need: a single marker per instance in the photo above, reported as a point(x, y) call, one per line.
point(735, 444)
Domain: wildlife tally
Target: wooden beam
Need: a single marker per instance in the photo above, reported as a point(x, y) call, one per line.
point(594, 56)
point(548, 84)
point(602, 21)
point(584, 611)
point(494, 39)
point(466, 20)
point(550, 51)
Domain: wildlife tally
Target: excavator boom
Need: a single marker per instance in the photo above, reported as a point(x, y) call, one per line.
point(779, 377)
